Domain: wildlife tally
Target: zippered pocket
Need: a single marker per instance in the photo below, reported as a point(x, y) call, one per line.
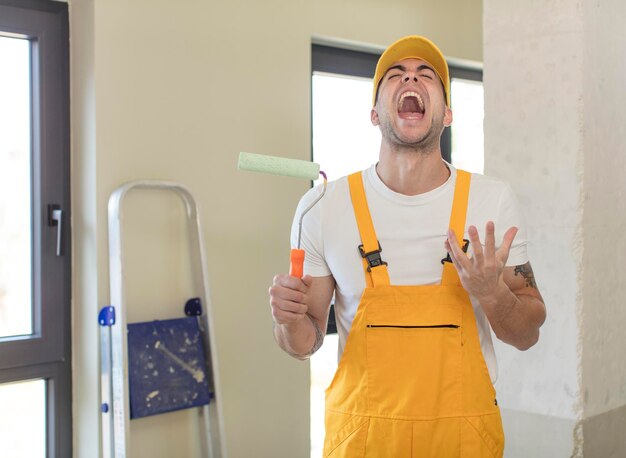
point(433, 326)
point(414, 365)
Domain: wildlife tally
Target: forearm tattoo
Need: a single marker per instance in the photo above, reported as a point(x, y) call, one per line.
point(319, 340)
point(527, 272)
point(319, 335)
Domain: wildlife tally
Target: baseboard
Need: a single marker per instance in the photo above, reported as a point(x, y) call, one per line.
point(537, 436)
point(604, 435)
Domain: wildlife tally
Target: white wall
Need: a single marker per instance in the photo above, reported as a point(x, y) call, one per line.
point(533, 139)
point(554, 120)
point(174, 90)
point(604, 339)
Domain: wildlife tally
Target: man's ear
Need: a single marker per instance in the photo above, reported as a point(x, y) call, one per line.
point(374, 117)
point(447, 117)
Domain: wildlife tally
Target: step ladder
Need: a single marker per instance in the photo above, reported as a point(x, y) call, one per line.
point(114, 331)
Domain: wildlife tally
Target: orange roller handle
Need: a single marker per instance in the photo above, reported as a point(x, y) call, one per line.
point(296, 269)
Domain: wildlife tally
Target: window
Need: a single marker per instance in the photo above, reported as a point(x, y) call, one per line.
point(464, 140)
point(35, 372)
point(345, 141)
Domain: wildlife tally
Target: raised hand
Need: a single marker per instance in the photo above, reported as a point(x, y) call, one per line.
point(481, 274)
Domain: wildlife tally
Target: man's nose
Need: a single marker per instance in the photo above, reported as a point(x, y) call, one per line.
point(410, 76)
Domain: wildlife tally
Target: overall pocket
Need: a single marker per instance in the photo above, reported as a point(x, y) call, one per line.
point(482, 436)
point(414, 363)
point(345, 435)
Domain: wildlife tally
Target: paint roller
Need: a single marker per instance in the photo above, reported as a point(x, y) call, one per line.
point(292, 168)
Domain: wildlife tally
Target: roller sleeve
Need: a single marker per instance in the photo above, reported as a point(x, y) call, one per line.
point(278, 166)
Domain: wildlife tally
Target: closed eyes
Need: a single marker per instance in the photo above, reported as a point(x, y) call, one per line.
point(421, 75)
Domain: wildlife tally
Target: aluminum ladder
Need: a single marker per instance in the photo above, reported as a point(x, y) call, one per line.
point(115, 408)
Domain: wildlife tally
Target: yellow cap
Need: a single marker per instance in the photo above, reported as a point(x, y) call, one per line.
point(413, 47)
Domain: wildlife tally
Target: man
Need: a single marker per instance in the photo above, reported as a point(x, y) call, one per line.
point(417, 292)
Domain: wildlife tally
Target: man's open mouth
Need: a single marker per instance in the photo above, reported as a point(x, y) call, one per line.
point(410, 105)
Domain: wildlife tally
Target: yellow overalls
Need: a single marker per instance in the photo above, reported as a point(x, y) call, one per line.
point(412, 381)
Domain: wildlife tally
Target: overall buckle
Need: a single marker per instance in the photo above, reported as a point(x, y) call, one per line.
point(373, 257)
point(465, 247)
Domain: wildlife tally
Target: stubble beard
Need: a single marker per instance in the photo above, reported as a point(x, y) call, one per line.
point(426, 144)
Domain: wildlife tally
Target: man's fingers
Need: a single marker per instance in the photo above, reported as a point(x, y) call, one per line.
point(453, 257)
point(284, 310)
point(456, 252)
point(289, 306)
point(288, 298)
point(477, 248)
point(287, 294)
point(307, 280)
point(507, 241)
point(284, 317)
point(490, 240)
point(290, 282)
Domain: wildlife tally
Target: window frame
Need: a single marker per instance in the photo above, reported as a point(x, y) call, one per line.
point(46, 353)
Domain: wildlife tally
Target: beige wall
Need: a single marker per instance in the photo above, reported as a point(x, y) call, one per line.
point(174, 90)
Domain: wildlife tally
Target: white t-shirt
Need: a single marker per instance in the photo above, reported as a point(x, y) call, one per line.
point(411, 231)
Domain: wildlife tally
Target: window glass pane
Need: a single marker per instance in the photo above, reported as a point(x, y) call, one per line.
point(467, 127)
point(23, 419)
point(344, 139)
point(15, 186)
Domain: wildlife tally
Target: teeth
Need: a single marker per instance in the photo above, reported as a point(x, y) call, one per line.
point(420, 102)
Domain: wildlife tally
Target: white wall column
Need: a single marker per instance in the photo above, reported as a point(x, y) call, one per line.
point(553, 115)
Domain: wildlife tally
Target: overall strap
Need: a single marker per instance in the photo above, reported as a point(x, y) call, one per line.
point(376, 273)
point(457, 222)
